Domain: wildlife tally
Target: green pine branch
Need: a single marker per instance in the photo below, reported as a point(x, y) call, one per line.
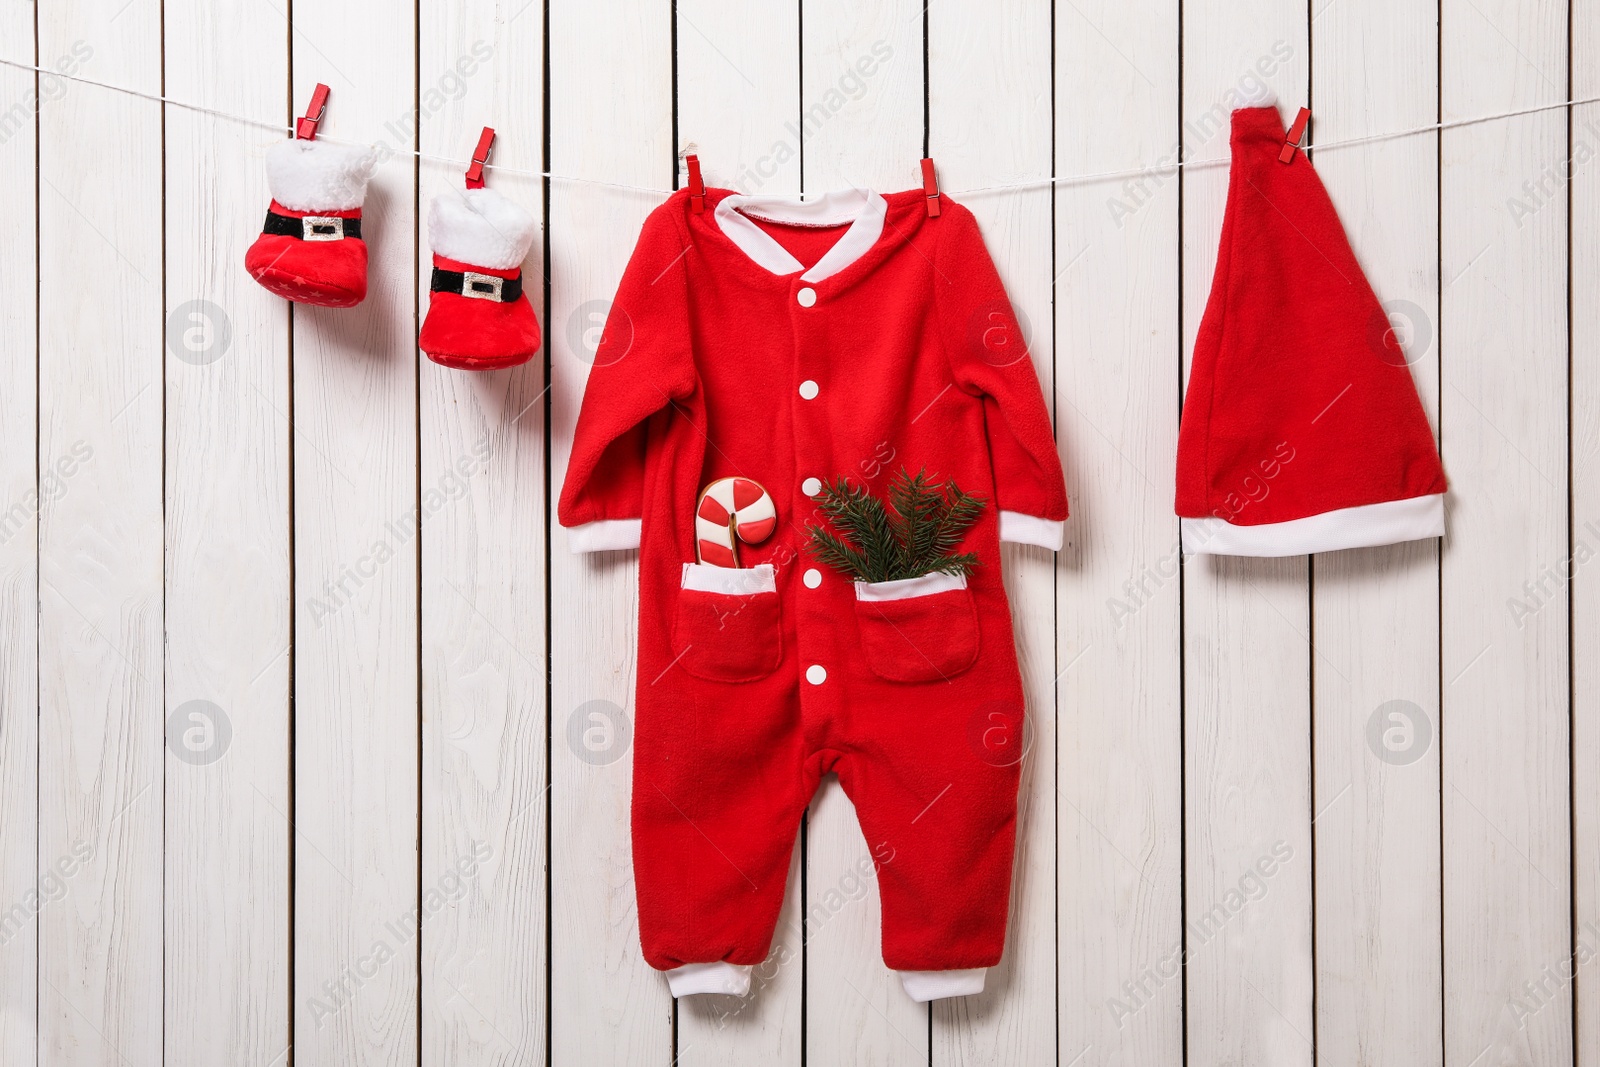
point(917, 533)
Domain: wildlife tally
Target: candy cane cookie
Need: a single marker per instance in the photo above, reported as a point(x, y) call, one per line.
point(731, 510)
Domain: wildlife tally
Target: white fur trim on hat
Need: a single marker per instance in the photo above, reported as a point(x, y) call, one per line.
point(480, 227)
point(306, 175)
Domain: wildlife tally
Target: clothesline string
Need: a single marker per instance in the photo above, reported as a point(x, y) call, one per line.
point(1038, 183)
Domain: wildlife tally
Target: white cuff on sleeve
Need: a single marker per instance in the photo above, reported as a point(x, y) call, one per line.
point(1030, 530)
point(720, 977)
point(923, 986)
point(607, 535)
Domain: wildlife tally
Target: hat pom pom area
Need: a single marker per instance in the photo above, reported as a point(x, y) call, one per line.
point(478, 316)
point(310, 249)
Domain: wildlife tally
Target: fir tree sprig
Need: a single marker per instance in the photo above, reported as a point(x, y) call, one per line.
point(916, 534)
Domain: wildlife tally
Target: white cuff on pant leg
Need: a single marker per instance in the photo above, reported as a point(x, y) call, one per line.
point(720, 977)
point(923, 986)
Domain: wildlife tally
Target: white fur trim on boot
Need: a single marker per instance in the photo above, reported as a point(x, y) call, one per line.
point(307, 175)
point(719, 977)
point(480, 227)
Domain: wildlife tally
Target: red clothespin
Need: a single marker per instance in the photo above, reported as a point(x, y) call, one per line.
point(697, 184)
point(306, 128)
point(930, 187)
point(480, 156)
point(1297, 131)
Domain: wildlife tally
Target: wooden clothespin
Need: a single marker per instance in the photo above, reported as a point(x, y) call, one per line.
point(930, 188)
point(305, 128)
point(1296, 132)
point(697, 184)
point(480, 156)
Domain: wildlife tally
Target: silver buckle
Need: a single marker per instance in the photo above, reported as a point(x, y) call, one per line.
point(481, 286)
point(321, 228)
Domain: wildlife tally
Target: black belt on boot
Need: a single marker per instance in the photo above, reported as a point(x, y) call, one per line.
point(478, 286)
point(312, 227)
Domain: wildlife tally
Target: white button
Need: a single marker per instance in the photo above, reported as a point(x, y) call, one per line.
point(808, 389)
point(816, 674)
point(812, 578)
point(806, 296)
point(811, 486)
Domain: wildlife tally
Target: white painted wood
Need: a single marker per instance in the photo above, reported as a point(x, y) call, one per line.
point(738, 93)
point(610, 121)
point(483, 584)
point(856, 1010)
point(989, 111)
point(164, 552)
point(19, 540)
point(738, 104)
point(1584, 343)
point(100, 540)
point(1246, 644)
point(1376, 610)
point(356, 717)
point(1119, 797)
point(227, 843)
point(1503, 421)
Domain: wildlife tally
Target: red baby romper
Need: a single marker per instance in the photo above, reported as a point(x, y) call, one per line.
point(788, 342)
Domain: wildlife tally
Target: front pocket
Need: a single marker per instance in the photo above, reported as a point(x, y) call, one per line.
point(918, 629)
point(728, 627)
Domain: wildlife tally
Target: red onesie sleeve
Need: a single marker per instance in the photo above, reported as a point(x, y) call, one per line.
point(989, 359)
point(643, 362)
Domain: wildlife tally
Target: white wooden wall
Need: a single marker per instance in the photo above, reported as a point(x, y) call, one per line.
point(314, 737)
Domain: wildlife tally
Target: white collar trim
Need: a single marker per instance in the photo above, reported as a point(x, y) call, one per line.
point(862, 208)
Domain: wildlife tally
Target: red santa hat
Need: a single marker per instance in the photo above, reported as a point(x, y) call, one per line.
point(1302, 430)
point(478, 316)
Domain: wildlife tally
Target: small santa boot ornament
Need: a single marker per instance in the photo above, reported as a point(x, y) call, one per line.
point(310, 249)
point(478, 316)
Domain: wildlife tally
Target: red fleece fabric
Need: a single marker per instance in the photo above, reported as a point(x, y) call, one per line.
point(1299, 399)
point(922, 639)
point(326, 273)
point(919, 362)
point(472, 334)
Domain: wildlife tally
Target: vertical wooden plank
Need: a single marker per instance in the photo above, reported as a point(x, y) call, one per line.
point(227, 542)
point(483, 583)
point(989, 116)
point(738, 94)
point(610, 122)
point(22, 95)
point(856, 1010)
point(1503, 403)
point(738, 103)
point(1584, 227)
point(1246, 642)
point(100, 539)
point(1376, 610)
point(1120, 798)
point(356, 753)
